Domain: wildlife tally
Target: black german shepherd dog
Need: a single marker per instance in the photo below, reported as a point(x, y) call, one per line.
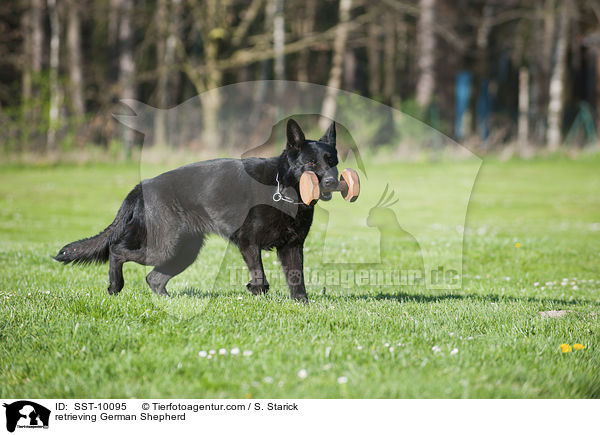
point(252, 202)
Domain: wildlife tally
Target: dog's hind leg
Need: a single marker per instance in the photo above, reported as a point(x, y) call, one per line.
point(115, 271)
point(158, 281)
point(118, 254)
point(185, 254)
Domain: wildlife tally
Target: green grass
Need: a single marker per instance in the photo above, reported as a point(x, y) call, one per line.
point(61, 334)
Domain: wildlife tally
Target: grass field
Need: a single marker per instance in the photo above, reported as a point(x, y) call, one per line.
point(532, 244)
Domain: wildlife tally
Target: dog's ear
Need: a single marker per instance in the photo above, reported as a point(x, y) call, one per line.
point(329, 135)
point(295, 136)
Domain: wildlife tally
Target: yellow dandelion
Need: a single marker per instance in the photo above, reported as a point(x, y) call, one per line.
point(517, 245)
point(578, 346)
point(566, 348)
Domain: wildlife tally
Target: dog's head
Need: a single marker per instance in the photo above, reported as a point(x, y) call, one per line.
point(319, 156)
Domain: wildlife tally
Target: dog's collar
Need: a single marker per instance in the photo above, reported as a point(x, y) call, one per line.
point(278, 196)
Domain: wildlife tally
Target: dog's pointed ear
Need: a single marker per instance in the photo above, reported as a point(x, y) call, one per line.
point(295, 136)
point(329, 135)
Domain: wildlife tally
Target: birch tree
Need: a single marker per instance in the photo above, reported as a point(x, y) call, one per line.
point(126, 62)
point(329, 106)
point(426, 52)
point(55, 91)
point(557, 81)
point(75, 67)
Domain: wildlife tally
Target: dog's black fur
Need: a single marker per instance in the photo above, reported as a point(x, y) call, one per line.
point(163, 221)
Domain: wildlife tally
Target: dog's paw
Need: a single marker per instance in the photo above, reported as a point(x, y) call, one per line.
point(161, 292)
point(113, 290)
point(300, 297)
point(257, 289)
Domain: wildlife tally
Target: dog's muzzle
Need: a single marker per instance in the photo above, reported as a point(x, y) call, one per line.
point(328, 184)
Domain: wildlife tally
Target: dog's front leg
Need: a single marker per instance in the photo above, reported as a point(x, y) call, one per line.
point(292, 258)
point(258, 281)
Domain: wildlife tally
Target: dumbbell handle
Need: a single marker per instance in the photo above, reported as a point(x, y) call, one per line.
point(342, 186)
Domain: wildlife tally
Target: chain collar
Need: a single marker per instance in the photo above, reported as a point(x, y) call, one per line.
point(278, 196)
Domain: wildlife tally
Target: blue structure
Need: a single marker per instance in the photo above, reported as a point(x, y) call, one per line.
point(462, 95)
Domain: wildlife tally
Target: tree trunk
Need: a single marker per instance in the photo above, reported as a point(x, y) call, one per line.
point(523, 123)
point(350, 69)
point(540, 68)
point(389, 56)
point(307, 28)
point(480, 122)
point(175, 26)
point(37, 45)
point(160, 122)
point(279, 40)
point(126, 65)
point(211, 101)
point(373, 59)
point(329, 106)
point(37, 35)
point(27, 54)
point(55, 91)
point(557, 82)
point(426, 52)
point(114, 7)
point(75, 68)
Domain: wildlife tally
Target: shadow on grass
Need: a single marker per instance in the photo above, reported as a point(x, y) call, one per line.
point(429, 298)
point(193, 292)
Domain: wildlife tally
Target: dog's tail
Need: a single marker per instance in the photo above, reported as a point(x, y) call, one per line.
point(95, 249)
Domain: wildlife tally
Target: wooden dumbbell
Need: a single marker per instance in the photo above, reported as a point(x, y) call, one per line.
point(349, 186)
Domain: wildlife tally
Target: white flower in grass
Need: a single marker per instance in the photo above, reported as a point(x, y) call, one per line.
point(222, 351)
point(392, 349)
point(302, 374)
point(575, 287)
point(212, 352)
point(247, 353)
point(535, 284)
point(235, 351)
point(387, 345)
point(436, 349)
point(451, 334)
point(179, 365)
point(327, 351)
point(359, 347)
point(454, 351)
point(203, 354)
point(268, 379)
point(342, 380)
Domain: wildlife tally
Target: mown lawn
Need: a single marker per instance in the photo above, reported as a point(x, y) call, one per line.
point(532, 244)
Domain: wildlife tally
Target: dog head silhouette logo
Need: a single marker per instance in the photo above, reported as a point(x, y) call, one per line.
point(26, 414)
